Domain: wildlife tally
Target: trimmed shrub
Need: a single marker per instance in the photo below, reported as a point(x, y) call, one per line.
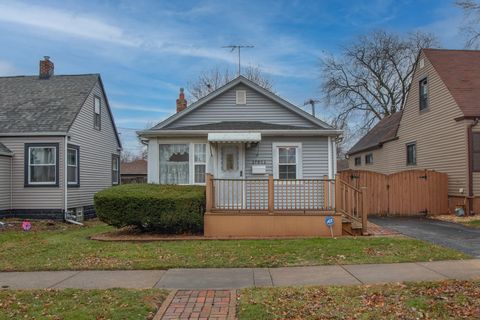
point(161, 208)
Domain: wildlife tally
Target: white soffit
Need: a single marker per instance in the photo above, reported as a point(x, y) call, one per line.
point(231, 137)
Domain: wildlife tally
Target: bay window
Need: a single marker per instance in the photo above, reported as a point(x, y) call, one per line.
point(182, 163)
point(199, 162)
point(174, 163)
point(41, 164)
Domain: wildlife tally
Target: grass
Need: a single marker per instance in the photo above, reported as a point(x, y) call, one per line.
point(422, 300)
point(80, 304)
point(473, 223)
point(71, 249)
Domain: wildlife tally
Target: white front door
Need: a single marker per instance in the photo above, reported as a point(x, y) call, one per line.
point(230, 167)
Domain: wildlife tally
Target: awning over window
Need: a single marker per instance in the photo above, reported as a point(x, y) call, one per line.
point(234, 137)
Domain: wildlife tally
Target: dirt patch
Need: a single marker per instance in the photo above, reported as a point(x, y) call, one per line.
point(12, 224)
point(376, 230)
point(454, 218)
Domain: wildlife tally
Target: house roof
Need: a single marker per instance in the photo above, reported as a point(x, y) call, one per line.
point(134, 167)
point(385, 130)
point(240, 79)
point(4, 150)
point(30, 104)
point(240, 125)
point(460, 71)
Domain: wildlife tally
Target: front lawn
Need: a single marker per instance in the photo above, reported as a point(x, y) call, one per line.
point(423, 300)
point(80, 304)
point(71, 249)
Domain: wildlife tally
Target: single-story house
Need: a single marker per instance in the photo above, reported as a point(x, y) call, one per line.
point(134, 171)
point(58, 144)
point(242, 135)
point(438, 128)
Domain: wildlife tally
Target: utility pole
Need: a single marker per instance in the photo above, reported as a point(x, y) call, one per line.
point(238, 47)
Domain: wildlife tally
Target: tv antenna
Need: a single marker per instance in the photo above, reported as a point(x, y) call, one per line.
point(239, 48)
point(312, 102)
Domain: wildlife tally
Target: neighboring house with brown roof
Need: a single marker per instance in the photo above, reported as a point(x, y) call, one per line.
point(58, 144)
point(437, 129)
point(134, 171)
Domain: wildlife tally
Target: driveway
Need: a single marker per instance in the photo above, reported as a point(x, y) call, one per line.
point(448, 234)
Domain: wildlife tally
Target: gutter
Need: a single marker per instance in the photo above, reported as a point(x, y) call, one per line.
point(33, 134)
point(311, 132)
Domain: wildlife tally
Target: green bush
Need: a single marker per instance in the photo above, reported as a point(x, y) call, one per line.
point(161, 208)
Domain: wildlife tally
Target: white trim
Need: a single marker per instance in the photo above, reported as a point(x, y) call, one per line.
point(65, 178)
point(153, 167)
point(43, 165)
point(253, 86)
point(334, 157)
point(234, 137)
point(299, 156)
point(330, 158)
point(177, 133)
point(77, 170)
point(34, 134)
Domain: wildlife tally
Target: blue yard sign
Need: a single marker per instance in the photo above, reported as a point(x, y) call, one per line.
point(329, 222)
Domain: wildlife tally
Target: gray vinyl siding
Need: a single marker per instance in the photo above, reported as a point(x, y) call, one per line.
point(96, 149)
point(5, 163)
point(34, 197)
point(314, 155)
point(258, 108)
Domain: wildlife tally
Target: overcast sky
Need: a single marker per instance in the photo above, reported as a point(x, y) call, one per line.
point(146, 50)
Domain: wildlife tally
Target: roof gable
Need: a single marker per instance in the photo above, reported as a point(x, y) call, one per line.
point(460, 72)
point(241, 81)
point(385, 130)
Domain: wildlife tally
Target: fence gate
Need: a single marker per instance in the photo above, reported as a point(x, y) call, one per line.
point(411, 192)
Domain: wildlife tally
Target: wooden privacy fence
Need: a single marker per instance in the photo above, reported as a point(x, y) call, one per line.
point(411, 192)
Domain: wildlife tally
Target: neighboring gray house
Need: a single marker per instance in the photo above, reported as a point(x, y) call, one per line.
point(239, 131)
point(42, 118)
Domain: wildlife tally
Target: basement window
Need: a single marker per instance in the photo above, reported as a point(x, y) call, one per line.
point(241, 97)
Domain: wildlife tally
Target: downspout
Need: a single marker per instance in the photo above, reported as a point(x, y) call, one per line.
point(11, 184)
point(470, 165)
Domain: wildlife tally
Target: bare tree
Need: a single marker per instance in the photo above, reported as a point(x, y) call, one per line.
point(371, 77)
point(213, 79)
point(471, 23)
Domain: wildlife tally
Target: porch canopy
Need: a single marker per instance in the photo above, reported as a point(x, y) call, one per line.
point(235, 137)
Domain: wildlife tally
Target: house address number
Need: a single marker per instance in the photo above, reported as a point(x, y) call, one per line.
point(259, 161)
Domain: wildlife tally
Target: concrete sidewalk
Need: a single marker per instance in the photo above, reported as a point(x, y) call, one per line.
point(235, 278)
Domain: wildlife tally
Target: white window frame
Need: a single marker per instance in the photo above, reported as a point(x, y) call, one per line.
point(199, 163)
point(55, 164)
point(239, 93)
point(298, 156)
point(76, 166)
point(99, 113)
point(191, 158)
point(117, 158)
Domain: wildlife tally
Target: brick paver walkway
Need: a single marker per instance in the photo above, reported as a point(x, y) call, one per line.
point(198, 305)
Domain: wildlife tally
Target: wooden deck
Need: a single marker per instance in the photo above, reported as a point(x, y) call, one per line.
point(274, 207)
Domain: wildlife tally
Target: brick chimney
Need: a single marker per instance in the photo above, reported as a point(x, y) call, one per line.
point(181, 101)
point(46, 68)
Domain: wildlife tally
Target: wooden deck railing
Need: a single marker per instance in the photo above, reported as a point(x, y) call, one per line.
point(270, 195)
point(351, 202)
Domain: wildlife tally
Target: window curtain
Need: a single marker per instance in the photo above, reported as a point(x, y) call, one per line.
point(174, 163)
